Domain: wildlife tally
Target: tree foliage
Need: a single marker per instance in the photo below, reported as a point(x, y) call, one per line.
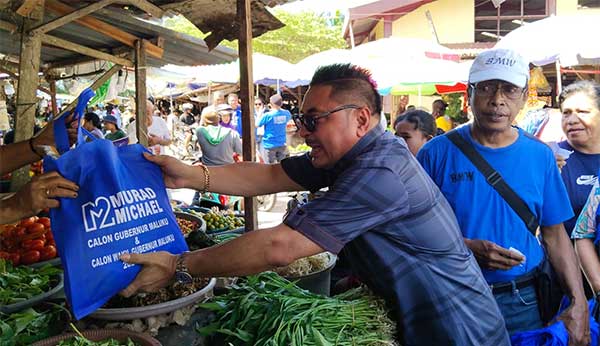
point(304, 34)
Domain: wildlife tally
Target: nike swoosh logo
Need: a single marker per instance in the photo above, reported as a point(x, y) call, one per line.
point(586, 180)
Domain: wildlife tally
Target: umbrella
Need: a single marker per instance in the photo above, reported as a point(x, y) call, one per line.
point(396, 61)
point(306, 67)
point(570, 40)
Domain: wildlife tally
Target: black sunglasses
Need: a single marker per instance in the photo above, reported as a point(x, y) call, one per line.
point(309, 122)
point(488, 89)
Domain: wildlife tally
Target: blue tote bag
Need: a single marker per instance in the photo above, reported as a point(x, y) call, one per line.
point(121, 207)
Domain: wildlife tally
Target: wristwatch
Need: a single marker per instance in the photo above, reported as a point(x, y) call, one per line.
point(182, 273)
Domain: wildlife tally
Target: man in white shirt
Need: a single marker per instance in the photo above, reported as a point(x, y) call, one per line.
point(158, 133)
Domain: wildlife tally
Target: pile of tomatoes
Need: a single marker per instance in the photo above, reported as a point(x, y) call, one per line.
point(27, 242)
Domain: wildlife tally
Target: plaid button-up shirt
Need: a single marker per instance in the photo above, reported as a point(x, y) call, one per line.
point(402, 239)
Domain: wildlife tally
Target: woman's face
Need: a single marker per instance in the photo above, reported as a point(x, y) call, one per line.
point(225, 117)
point(88, 125)
point(414, 138)
point(581, 121)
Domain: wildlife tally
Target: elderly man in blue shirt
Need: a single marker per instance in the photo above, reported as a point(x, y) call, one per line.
point(506, 248)
point(395, 226)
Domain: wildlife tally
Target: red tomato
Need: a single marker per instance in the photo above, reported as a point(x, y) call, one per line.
point(35, 228)
point(35, 244)
point(45, 221)
point(49, 235)
point(28, 221)
point(19, 232)
point(15, 258)
point(48, 252)
point(4, 255)
point(30, 257)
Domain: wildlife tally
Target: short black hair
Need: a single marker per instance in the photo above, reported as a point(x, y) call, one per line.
point(422, 120)
point(93, 118)
point(349, 80)
point(589, 88)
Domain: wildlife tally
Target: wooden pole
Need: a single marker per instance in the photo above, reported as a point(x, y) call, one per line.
point(558, 78)
point(244, 16)
point(53, 97)
point(103, 28)
point(140, 92)
point(26, 90)
point(60, 21)
point(60, 43)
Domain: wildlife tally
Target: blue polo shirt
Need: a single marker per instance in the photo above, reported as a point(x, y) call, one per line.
point(579, 174)
point(528, 167)
point(402, 239)
point(274, 122)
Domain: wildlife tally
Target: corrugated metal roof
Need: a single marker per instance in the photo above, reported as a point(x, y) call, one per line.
point(215, 16)
point(179, 49)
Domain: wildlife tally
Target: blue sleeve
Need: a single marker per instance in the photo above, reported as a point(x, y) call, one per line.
point(557, 207)
point(427, 158)
point(359, 201)
point(264, 119)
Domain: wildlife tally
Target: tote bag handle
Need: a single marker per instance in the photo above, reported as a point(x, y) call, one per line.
point(61, 137)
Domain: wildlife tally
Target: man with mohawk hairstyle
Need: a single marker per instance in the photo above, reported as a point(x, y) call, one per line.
point(394, 225)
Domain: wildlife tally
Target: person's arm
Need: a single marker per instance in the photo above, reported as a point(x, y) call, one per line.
point(239, 179)
point(590, 262)
point(16, 155)
point(562, 257)
point(584, 234)
point(251, 253)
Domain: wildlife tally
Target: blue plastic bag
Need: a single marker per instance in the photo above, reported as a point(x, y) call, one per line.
point(121, 207)
point(555, 334)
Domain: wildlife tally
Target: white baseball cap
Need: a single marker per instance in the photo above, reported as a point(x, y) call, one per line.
point(502, 64)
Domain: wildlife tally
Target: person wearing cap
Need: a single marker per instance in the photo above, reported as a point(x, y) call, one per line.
point(187, 117)
point(395, 227)
point(225, 115)
point(275, 121)
point(508, 253)
point(438, 111)
point(113, 132)
point(218, 143)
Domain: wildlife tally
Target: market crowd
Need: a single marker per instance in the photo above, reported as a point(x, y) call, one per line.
point(459, 229)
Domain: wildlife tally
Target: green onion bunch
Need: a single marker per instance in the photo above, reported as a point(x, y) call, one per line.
point(269, 310)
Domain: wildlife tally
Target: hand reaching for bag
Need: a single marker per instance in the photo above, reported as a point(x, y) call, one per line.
point(492, 256)
point(38, 194)
point(157, 271)
point(175, 173)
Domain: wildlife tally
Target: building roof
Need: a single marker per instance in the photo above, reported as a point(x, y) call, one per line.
point(215, 16)
point(363, 18)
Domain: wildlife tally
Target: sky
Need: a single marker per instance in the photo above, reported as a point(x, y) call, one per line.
point(321, 5)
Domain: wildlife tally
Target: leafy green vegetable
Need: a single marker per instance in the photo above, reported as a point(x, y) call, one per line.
point(31, 325)
point(21, 283)
point(268, 310)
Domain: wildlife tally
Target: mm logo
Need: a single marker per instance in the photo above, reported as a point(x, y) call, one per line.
point(94, 212)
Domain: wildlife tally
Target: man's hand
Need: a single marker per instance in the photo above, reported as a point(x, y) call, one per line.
point(560, 161)
point(46, 135)
point(492, 256)
point(154, 140)
point(41, 191)
point(157, 271)
point(175, 173)
point(576, 320)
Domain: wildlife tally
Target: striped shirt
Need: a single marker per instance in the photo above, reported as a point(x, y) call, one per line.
point(402, 239)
